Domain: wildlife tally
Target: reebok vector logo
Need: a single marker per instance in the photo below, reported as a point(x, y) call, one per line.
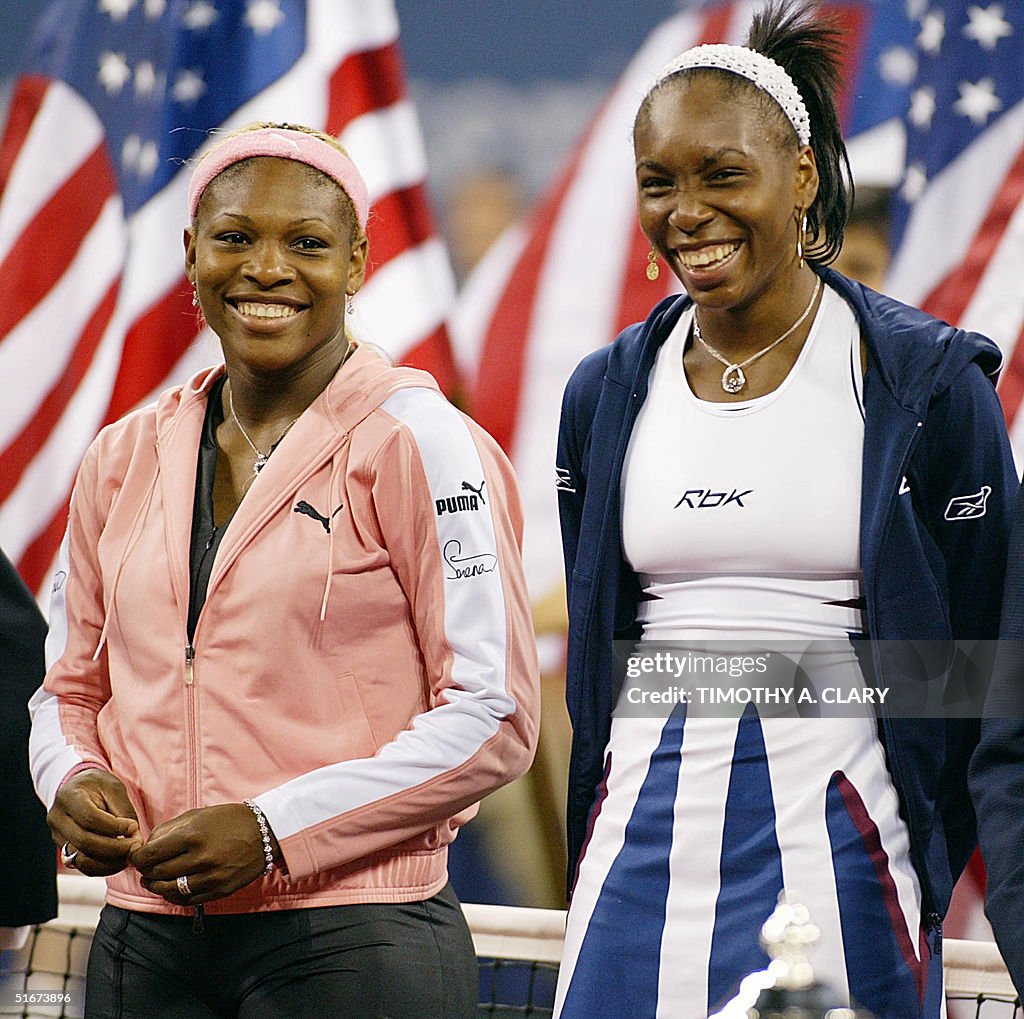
point(563, 480)
point(705, 498)
point(969, 507)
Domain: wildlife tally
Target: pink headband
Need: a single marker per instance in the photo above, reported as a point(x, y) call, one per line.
point(285, 144)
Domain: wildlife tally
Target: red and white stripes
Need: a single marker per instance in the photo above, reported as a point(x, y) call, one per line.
point(97, 314)
point(963, 248)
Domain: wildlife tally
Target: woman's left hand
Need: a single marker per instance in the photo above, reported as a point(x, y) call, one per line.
point(216, 849)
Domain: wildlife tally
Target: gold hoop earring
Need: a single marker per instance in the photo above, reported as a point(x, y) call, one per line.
point(653, 269)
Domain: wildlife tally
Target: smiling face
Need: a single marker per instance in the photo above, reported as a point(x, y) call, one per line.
point(273, 254)
point(720, 184)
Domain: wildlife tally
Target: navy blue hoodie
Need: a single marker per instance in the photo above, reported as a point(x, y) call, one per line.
point(934, 431)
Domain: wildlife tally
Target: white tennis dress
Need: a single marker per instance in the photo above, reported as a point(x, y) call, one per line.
point(741, 521)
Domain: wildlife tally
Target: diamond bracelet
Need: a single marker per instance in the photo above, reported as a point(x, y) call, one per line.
point(261, 820)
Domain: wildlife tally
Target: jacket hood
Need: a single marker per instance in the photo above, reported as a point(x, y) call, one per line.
point(919, 361)
point(358, 388)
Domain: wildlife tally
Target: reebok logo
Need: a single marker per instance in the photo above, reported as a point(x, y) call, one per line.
point(563, 480)
point(969, 507)
point(705, 498)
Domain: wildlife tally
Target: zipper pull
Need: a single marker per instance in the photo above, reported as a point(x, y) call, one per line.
point(190, 657)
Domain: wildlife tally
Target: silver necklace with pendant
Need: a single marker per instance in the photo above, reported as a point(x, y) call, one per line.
point(261, 458)
point(733, 379)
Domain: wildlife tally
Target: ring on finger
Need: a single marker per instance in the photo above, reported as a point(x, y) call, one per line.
point(68, 855)
point(183, 888)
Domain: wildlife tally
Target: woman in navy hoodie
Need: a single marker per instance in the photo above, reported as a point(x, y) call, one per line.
point(779, 454)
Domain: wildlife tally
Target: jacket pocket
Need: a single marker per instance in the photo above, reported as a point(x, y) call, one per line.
point(351, 717)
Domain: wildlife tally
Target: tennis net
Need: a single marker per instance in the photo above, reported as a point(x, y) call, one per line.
point(518, 950)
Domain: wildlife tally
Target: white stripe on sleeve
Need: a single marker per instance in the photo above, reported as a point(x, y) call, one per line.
point(445, 737)
point(51, 757)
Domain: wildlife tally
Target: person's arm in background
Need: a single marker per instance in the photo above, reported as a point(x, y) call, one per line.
point(28, 859)
point(997, 769)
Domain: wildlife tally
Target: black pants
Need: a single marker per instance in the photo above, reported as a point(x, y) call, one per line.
point(401, 961)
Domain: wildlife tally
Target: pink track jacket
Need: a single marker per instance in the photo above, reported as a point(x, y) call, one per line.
point(364, 666)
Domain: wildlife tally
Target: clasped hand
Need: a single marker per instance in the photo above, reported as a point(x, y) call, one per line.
point(219, 849)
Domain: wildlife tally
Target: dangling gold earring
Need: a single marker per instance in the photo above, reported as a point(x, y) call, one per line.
point(653, 269)
point(200, 317)
point(801, 230)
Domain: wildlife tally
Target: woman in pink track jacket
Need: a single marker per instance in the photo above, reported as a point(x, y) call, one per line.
point(290, 641)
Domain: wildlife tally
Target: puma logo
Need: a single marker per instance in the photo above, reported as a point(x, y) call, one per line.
point(467, 487)
point(460, 503)
point(305, 508)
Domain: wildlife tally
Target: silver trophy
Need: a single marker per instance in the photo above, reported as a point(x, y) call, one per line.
point(787, 988)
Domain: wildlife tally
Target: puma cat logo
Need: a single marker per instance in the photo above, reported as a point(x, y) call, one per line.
point(309, 511)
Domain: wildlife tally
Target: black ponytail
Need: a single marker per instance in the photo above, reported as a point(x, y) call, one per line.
point(808, 47)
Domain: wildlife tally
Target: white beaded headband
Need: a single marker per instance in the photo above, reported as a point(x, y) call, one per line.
point(764, 72)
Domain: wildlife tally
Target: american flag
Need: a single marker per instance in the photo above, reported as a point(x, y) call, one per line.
point(959, 241)
point(116, 97)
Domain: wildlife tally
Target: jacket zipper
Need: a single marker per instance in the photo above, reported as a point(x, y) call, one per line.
point(193, 778)
point(190, 736)
point(933, 920)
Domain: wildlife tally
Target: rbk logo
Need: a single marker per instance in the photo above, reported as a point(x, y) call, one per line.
point(704, 498)
point(304, 507)
point(969, 507)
